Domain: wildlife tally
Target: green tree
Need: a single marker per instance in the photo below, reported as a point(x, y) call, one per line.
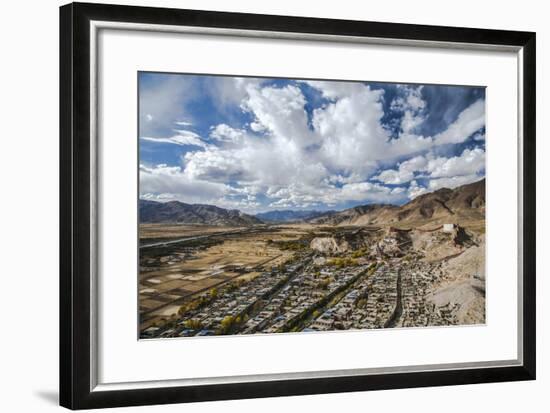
point(227, 323)
point(193, 324)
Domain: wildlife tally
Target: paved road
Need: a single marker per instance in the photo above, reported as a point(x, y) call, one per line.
point(213, 234)
point(398, 312)
point(179, 240)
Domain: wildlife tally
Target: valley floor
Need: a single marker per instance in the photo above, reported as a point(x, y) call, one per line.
point(201, 281)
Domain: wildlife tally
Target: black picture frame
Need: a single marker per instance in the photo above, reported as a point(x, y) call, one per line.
point(75, 197)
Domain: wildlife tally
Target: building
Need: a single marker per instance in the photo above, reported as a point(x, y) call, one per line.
point(448, 227)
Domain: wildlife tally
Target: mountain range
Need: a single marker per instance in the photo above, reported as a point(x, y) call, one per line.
point(180, 212)
point(466, 202)
point(444, 205)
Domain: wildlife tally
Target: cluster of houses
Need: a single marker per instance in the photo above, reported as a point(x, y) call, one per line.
point(313, 295)
point(369, 304)
point(304, 294)
point(343, 315)
point(373, 300)
point(417, 284)
point(229, 302)
point(238, 302)
point(274, 301)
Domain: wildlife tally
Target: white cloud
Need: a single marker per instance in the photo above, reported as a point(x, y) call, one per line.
point(230, 91)
point(371, 192)
point(183, 123)
point(183, 137)
point(410, 99)
point(279, 111)
point(337, 90)
point(225, 133)
point(163, 179)
point(411, 104)
point(415, 190)
point(471, 161)
point(404, 173)
point(452, 182)
point(410, 121)
point(479, 137)
point(163, 183)
point(165, 103)
point(469, 121)
point(349, 130)
point(328, 161)
point(216, 165)
point(297, 195)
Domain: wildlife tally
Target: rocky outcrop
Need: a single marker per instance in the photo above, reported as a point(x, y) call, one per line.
point(328, 245)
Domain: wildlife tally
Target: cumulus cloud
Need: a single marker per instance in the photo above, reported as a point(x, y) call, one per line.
point(229, 91)
point(371, 192)
point(411, 104)
point(349, 129)
point(163, 182)
point(405, 172)
point(410, 99)
point(295, 156)
point(468, 122)
point(225, 133)
point(299, 196)
point(469, 162)
point(452, 182)
point(164, 179)
point(280, 112)
point(416, 190)
point(337, 90)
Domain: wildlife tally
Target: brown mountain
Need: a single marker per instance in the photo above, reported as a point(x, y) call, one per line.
point(359, 215)
point(179, 212)
point(466, 202)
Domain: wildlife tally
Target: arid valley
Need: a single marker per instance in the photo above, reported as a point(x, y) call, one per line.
point(209, 271)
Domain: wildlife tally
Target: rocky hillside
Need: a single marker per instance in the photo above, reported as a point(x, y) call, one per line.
point(359, 215)
point(466, 202)
point(442, 206)
point(179, 212)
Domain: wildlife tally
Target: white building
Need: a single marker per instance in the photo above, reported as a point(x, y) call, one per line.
point(448, 227)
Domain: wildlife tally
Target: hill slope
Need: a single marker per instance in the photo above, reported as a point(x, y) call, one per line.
point(175, 211)
point(359, 215)
point(466, 202)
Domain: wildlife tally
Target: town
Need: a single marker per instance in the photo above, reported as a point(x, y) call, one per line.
point(349, 279)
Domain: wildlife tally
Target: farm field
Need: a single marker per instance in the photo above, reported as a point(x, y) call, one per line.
point(170, 275)
point(196, 269)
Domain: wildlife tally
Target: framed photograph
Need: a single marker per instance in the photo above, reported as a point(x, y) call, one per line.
point(258, 206)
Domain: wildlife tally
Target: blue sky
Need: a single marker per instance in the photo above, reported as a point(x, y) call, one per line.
point(259, 144)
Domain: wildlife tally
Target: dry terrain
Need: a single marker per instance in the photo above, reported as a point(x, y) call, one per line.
point(371, 266)
point(167, 281)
